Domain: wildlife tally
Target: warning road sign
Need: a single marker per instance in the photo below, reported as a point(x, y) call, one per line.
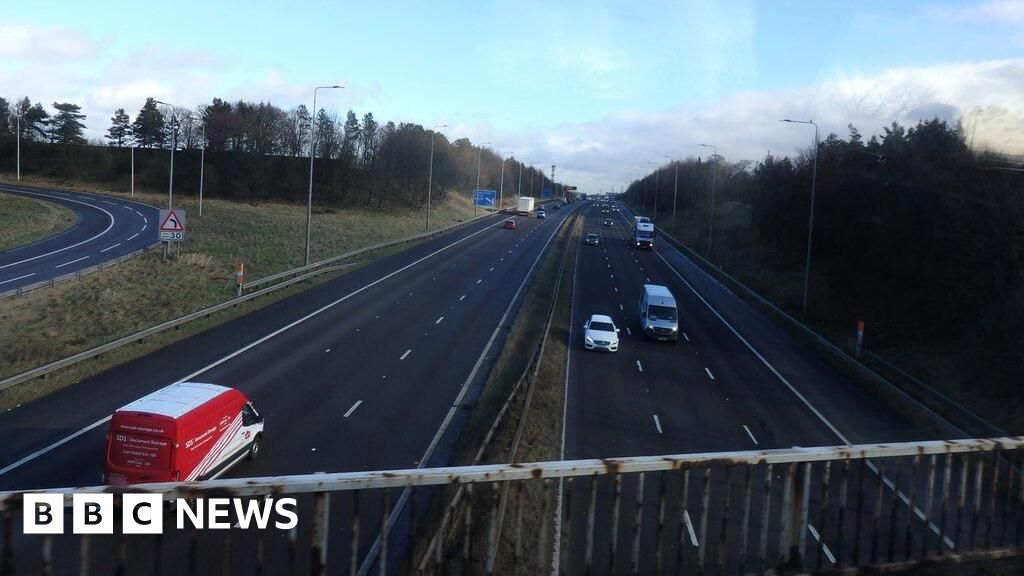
point(172, 225)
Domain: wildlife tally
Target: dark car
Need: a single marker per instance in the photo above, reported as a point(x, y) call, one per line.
point(608, 222)
point(592, 240)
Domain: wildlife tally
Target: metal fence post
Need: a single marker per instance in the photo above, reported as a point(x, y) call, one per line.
point(318, 540)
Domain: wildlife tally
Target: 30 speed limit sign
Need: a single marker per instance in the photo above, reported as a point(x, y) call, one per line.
point(172, 225)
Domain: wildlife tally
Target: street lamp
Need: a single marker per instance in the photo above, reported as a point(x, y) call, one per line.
point(657, 184)
point(675, 189)
point(519, 187)
point(18, 137)
point(479, 152)
point(312, 155)
point(714, 184)
point(501, 186)
point(174, 144)
point(810, 224)
point(202, 164)
point(430, 176)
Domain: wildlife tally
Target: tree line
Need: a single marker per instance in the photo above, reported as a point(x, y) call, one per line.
point(913, 232)
point(260, 151)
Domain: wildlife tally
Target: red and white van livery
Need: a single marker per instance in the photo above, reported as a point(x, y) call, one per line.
point(185, 431)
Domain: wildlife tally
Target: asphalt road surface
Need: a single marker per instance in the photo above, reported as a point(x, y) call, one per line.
point(106, 227)
point(734, 381)
point(369, 371)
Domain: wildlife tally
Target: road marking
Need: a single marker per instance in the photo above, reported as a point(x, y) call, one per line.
point(492, 269)
point(114, 246)
point(621, 309)
point(616, 288)
point(18, 278)
point(657, 423)
point(438, 321)
point(639, 366)
point(824, 547)
point(461, 298)
point(710, 375)
point(409, 351)
point(132, 237)
point(144, 226)
point(71, 262)
point(480, 280)
point(689, 528)
point(353, 408)
point(90, 239)
point(751, 434)
point(327, 350)
point(145, 221)
point(685, 336)
point(502, 259)
point(628, 333)
point(26, 459)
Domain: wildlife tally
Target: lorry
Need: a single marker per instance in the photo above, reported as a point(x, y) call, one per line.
point(525, 206)
point(643, 235)
point(640, 220)
point(185, 431)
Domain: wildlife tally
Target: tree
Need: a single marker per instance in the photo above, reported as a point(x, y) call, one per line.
point(350, 140)
point(148, 128)
point(5, 117)
point(34, 120)
point(66, 126)
point(120, 128)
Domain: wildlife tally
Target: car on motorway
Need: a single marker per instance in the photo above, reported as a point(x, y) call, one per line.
point(541, 214)
point(185, 431)
point(608, 222)
point(592, 240)
point(556, 205)
point(659, 315)
point(600, 333)
point(605, 211)
point(509, 224)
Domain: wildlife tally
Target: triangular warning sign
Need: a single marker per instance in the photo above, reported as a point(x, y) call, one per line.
point(171, 223)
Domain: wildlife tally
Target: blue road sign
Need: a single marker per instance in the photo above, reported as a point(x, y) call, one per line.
point(485, 198)
point(545, 193)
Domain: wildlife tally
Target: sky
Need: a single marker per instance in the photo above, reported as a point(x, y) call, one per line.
point(601, 89)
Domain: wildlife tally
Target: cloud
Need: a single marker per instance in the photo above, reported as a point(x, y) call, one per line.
point(1005, 13)
point(37, 44)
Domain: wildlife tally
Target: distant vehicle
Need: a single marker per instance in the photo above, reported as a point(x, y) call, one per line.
point(556, 205)
point(525, 206)
point(643, 235)
point(592, 240)
point(509, 224)
point(641, 220)
point(541, 214)
point(185, 431)
point(659, 317)
point(615, 208)
point(608, 222)
point(600, 333)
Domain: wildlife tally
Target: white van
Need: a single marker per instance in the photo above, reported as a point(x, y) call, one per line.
point(659, 316)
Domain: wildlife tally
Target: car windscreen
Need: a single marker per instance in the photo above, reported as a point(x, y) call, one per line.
point(655, 312)
point(591, 236)
point(644, 234)
point(602, 327)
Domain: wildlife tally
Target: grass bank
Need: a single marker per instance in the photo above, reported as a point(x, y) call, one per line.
point(25, 220)
point(49, 324)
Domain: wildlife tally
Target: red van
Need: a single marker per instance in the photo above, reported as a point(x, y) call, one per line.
point(186, 431)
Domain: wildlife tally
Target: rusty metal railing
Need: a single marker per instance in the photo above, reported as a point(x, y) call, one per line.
point(812, 509)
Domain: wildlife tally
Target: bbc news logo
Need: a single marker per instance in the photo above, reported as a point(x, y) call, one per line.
point(144, 513)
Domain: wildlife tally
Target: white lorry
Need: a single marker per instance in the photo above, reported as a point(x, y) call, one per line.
point(525, 206)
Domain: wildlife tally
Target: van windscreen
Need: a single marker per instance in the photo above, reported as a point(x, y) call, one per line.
point(655, 312)
point(140, 451)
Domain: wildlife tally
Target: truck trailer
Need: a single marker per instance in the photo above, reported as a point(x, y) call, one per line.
point(525, 206)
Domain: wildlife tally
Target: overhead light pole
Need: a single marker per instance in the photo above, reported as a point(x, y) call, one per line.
point(479, 153)
point(174, 144)
point(810, 223)
point(675, 189)
point(430, 174)
point(657, 184)
point(714, 184)
point(202, 164)
point(501, 186)
point(18, 138)
point(519, 187)
point(312, 155)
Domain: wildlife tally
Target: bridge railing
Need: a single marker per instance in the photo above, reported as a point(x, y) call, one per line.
point(802, 509)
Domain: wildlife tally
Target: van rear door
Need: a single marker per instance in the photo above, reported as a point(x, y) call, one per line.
point(138, 457)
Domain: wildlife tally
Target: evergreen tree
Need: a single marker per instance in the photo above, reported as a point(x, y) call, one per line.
point(148, 128)
point(66, 126)
point(120, 128)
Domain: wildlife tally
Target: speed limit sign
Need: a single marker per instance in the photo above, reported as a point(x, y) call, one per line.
point(172, 225)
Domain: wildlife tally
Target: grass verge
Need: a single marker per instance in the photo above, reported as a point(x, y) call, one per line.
point(25, 220)
point(540, 423)
point(49, 324)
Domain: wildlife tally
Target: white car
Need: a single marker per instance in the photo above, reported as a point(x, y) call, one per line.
point(600, 333)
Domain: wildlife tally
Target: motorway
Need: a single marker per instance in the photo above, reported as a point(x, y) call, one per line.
point(106, 227)
point(734, 381)
point(369, 371)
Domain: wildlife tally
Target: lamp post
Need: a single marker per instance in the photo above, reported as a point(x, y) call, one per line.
point(714, 184)
point(479, 153)
point(519, 187)
point(675, 189)
point(810, 224)
point(501, 185)
point(430, 174)
point(312, 155)
point(174, 144)
point(202, 164)
point(18, 138)
point(657, 184)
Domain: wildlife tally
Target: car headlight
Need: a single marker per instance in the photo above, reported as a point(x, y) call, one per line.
point(589, 339)
point(674, 328)
point(650, 326)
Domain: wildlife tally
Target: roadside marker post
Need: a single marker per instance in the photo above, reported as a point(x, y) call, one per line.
point(860, 338)
point(239, 278)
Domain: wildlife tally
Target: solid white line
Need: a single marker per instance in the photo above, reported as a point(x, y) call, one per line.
point(132, 237)
point(824, 547)
point(689, 528)
point(71, 262)
point(710, 375)
point(18, 278)
point(248, 347)
point(114, 246)
point(639, 366)
point(105, 230)
point(438, 321)
point(353, 408)
point(657, 423)
point(409, 351)
point(461, 298)
point(751, 434)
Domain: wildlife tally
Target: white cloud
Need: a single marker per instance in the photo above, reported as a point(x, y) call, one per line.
point(34, 44)
point(1005, 13)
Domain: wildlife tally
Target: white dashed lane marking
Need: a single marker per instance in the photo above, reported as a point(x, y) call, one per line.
point(353, 408)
